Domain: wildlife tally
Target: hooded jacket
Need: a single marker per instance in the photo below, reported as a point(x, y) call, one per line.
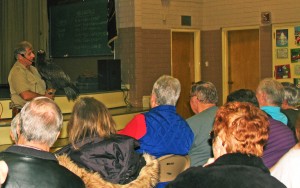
point(114, 158)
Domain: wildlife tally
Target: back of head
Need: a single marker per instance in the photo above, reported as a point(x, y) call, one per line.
point(41, 121)
point(206, 92)
point(166, 90)
point(21, 48)
point(273, 91)
point(89, 118)
point(291, 94)
point(243, 95)
point(242, 128)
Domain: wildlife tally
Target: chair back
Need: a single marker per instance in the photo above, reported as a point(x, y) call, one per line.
point(172, 165)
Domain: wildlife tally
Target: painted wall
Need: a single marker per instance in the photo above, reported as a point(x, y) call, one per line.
point(144, 39)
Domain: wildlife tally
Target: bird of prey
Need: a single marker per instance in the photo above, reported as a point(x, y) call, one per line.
point(54, 76)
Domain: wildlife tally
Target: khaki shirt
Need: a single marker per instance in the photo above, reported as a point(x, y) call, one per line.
point(21, 79)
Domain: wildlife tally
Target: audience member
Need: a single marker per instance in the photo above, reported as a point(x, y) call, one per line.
point(290, 102)
point(203, 99)
point(270, 95)
point(280, 139)
point(95, 147)
point(3, 172)
point(287, 168)
point(161, 131)
point(25, 82)
point(30, 163)
point(239, 133)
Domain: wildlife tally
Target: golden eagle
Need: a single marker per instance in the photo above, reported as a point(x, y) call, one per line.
point(54, 76)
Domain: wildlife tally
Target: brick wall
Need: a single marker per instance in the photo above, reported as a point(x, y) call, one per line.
point(145, 27)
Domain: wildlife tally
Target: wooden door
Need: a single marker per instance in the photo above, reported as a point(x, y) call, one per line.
point(243, 63)
point(183, 68)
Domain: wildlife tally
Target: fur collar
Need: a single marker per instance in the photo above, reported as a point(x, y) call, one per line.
point(148, 177)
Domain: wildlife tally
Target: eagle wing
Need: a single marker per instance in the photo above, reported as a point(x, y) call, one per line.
point(55, 77)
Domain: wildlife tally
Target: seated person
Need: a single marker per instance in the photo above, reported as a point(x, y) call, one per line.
point(203, 99)
point(240, 132)
point(290, 102)
point(161, 131)
point(29, 162)
point(270, 95)
point(287, 168)
point(281, 138)
point(95, 147)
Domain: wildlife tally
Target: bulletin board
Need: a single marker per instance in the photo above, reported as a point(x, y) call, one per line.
point(286, 52)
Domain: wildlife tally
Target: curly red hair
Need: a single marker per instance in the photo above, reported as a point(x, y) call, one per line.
point(242, 127)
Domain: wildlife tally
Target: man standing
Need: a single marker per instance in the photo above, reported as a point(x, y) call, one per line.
point(24, 80)
point(29, 162)
point(203, 99)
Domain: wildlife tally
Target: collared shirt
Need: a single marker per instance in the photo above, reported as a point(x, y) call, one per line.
point(274, 112)
point(21, 79)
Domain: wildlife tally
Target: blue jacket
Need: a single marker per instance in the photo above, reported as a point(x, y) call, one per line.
point(167, 132)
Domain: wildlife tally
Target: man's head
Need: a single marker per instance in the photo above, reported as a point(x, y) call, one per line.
point(24, 53)
point(202, 95)
point(40, 121)
point(291, 95)
point(269, 92)
point(166, 91)
point(240, 127)
point(243, 95)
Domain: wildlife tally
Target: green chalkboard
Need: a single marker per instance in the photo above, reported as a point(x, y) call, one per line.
point(79, 29)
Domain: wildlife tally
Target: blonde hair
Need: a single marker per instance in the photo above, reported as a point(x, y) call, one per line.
point(89, 118)
point(242, 127)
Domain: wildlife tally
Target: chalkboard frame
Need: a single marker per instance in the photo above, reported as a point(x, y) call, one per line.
point(82, 32)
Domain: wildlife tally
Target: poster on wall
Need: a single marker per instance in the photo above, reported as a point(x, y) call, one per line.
point(295, 55)
point(297, 82)
point(282, 53)
point(282, 71)
point(282, 37)
point(297, 35)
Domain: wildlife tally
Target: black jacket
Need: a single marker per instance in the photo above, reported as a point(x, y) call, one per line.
point(33, 168)
point(114, 158)
point(229, 171)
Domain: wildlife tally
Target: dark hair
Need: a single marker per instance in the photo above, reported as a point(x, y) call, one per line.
point(206, 92)
point(243, 95)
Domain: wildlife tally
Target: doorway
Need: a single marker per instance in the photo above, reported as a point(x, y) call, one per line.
point(185, 65)
point(241, 65)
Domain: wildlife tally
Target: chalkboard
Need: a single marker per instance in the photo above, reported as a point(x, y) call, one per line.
point(79, 29)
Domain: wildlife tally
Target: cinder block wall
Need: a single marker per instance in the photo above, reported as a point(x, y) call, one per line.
point(145, 26)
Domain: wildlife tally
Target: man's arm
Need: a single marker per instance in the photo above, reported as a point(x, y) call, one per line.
point(136, 128)
point(29, 95)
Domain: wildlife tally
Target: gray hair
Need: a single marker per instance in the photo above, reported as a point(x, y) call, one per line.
point(206, 92)
point(13, 127)
point(40, 121)
point(21, 48)
point(273, 89)
point(167, 90)
point(291, 94)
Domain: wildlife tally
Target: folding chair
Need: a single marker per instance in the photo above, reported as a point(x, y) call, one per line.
point(171, 166)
